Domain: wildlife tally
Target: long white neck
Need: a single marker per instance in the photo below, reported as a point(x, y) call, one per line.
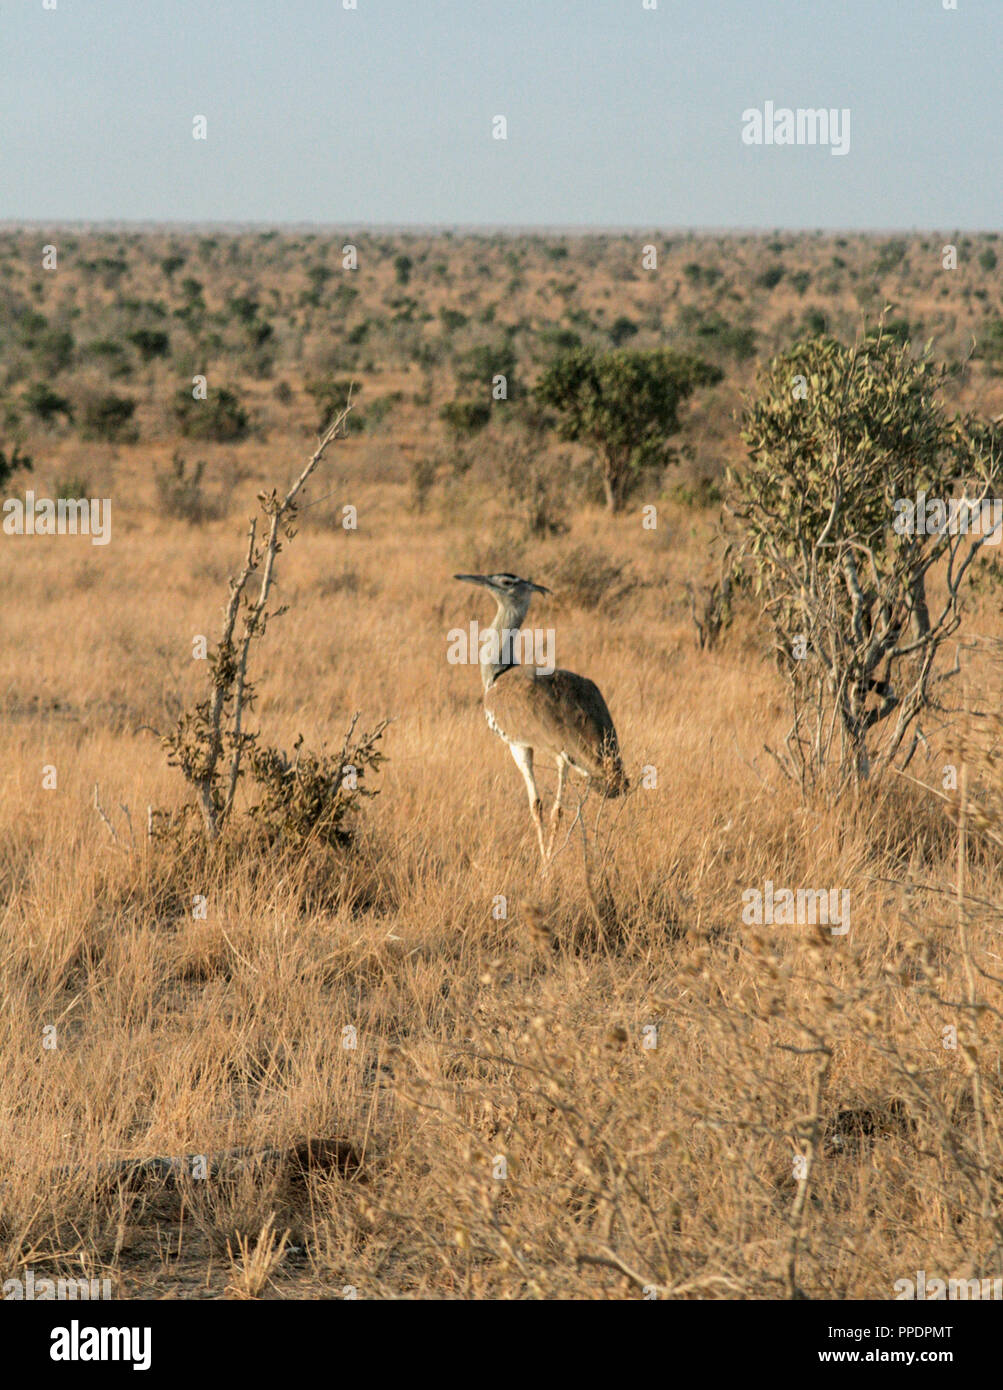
point(508, 620)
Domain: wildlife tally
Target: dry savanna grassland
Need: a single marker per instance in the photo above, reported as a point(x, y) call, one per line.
point(398, 1059)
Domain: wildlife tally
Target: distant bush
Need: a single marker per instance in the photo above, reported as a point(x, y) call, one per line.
point(111, 355)
point(537, 489)
point(422, 473)
point(378, 410)
point(589, 579)
point(698, 274)
point(465, 417)
point(697, 494)
point(109, 417)
point(180, 492)
point(13, 462)
point(622, 329)
point(243, 308)
point(554, 339)
point(220, 417)
point(150, 342)
point(53, 349)
point(899, 330)
point(988, 259)
point(891, 256)
point(731, 338)
point(344, 296)
point(45, 404)
point(330, 395)
point(479, 366)
point(31, 326)
point(452, 319)
point(72, 487)
point(318, 275)
point(770, 277)
point(990, 344)
point(799, 281)
point(192, 290)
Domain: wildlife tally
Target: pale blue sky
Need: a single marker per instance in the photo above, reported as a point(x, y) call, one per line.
point(617, 116)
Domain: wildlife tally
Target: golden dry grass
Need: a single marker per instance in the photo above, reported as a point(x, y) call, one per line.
point(518, 1134)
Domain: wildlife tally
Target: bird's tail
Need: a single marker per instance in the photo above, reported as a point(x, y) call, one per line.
point(614, 781)
point(603, 766)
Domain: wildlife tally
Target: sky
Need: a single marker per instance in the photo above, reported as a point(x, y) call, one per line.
point(616, 115)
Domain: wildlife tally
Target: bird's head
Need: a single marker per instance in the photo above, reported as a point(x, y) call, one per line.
point(511, 593)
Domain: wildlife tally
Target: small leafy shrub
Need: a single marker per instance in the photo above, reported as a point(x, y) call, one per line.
point(312, 798)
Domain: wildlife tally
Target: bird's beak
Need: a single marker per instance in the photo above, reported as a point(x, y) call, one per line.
point(472, 578)
point(540, 589)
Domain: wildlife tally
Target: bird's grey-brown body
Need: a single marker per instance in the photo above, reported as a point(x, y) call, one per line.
point(558, 714)
point(539, 713)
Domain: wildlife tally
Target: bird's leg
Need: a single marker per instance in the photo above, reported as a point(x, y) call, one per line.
point(524, 761)
point(536, 810)
point(555, 814)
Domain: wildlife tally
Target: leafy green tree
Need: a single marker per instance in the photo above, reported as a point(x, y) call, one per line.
point(624, 404)
point(841, 443)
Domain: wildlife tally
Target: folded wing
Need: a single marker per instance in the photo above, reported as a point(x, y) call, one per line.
point(561, 714)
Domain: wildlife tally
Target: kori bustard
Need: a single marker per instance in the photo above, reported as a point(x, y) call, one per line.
point(554, 714)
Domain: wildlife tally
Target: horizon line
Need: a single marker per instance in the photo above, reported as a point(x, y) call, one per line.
point(235, 227)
